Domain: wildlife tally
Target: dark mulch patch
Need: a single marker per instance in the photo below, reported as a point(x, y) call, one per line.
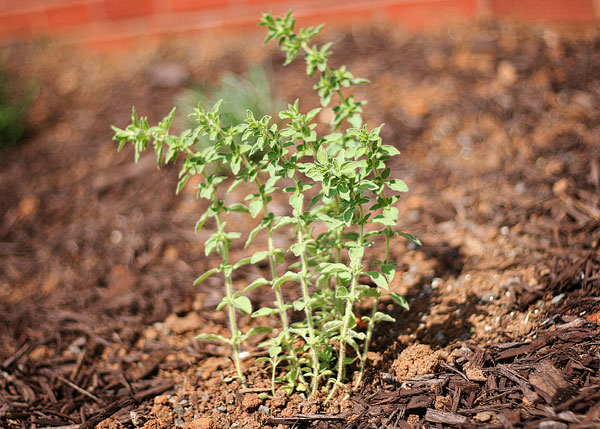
point(548, 379)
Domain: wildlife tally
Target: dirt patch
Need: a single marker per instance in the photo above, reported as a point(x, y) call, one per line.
point(498, 128)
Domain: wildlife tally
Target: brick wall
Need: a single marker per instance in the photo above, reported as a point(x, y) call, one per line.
point(98, 21)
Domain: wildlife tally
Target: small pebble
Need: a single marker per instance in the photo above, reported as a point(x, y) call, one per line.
point(557, 298)
point(264, 409)
point(551, 424)
point(483, 416)
point(178, 421)
point(386, 376)
point(221, 408)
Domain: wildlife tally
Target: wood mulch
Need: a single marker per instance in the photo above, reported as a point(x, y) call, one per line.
point(548, 379)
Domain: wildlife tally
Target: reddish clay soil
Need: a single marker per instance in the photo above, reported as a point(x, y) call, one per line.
point(499, 131)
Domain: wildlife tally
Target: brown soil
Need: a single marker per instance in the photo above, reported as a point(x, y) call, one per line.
point(498, 128)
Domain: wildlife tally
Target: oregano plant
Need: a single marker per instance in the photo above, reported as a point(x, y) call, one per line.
point(342, 200)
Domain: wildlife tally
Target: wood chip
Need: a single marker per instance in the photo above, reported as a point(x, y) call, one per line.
point(549, 382)
point(444, 417)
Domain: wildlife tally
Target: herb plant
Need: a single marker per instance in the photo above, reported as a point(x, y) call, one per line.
point(342, 200)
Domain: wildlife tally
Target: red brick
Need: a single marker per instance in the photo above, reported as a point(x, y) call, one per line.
point(67, 16)
point(336, 14)
point(15, 23)
point(124, 9)
point(545, 10)
point(426, 14)
point(114, 45)
point(269, 1)
point(194, 5)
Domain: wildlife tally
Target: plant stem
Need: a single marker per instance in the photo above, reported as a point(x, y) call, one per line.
point(371, 325)
point(363, 357)
point(274, 277)
point(348, 313)
point(229, 294)
point(308, 311)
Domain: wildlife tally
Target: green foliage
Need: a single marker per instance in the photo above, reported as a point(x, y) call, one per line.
point(239, 93)
point(13, 110)
point(352, 205)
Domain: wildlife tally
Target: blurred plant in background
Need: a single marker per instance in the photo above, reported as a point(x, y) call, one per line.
point(250, 91)
point(15, 100)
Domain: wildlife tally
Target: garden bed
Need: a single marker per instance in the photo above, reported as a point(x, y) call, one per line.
point(500, 138)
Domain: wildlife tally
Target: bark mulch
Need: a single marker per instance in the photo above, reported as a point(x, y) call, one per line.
point(548, 380)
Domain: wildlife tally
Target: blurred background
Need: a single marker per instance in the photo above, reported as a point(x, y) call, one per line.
point(114, 22)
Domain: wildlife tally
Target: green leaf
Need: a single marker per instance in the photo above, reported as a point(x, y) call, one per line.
point(243, 304)
point(264, 312)
point(333, 326)
point(348, 215)
point(342, 293)
point(299, 305)
point(369, 291)
point(352, 343)
point(400, 300)
point(259, 256)
point(359, 335)
point(296, 201)
point(382, 317)
point(256, 283)
point(389, 217)
point(223, 303)
point(206, 275)
point(274, 351)
point(284, 220)
point(322, 155)
point(253, 235)
point(356, 254)
point(389, 150)
point(286, 277)
point(241, 263)
point(328, 267)
point(298, 248)
point(239, 208)
point(315, 200)
point(255, 207)
point(211, 337)
point(210, 245)
point(397, 185)
point(257, 330)
point(379, 279)
point(182, 183)
point(410, 238)
point(389, 271)
point(310, 115)
point(279, 255)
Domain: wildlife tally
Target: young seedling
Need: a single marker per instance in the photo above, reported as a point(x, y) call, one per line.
point(352, 205)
